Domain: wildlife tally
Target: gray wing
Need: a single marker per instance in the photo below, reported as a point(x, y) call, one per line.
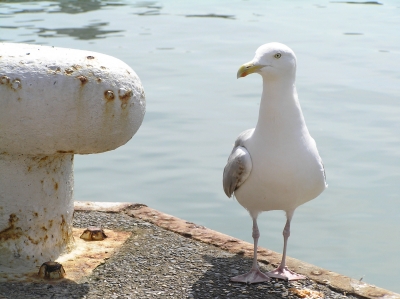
point(239, 165)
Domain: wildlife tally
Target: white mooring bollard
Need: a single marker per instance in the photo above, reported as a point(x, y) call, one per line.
point(55, 103)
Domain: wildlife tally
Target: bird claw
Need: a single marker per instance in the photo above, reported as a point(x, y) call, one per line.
point(254, 276)
point(285, 274)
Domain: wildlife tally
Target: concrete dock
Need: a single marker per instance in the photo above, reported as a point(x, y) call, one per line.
point(149, 254)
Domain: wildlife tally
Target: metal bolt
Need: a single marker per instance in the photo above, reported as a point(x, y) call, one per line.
point(109, 95)
point(51, 270)
point(93, 234)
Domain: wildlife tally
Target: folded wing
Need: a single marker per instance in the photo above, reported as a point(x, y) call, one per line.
point(239, 165)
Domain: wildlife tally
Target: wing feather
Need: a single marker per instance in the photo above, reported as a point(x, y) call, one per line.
point(237, 170)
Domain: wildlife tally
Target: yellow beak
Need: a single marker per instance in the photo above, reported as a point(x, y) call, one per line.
point(248, 68)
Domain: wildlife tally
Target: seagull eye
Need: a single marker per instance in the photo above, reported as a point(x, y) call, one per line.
point(278, 55)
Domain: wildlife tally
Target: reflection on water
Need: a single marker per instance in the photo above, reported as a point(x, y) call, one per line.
point(211, 15)
point(92, 31)
point(75, 7)
point(148, 4)
point(154, 12)
point(352, 33)
point(359, 2)
point(151, 8)
point(81, 32)
point(25, 11)
point(63, 6)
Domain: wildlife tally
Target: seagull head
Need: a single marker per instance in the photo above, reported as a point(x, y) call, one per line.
point(272, 60)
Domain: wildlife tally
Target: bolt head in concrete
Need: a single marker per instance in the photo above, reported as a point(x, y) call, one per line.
point(51, 270)
point(93, 234)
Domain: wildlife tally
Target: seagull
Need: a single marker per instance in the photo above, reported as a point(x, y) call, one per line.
point(276, 165)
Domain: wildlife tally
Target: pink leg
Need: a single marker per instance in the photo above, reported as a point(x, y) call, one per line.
point(282, 271)
point(254, 275)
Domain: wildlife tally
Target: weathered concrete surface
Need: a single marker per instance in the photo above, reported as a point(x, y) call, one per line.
point(108, 207)
point(90, 254)
point(176, 259)
point(200, 233)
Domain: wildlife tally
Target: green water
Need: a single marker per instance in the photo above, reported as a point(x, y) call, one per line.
point(187, 55)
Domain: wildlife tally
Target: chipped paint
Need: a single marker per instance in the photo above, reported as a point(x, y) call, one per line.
point(83, 79)
point(69, 71)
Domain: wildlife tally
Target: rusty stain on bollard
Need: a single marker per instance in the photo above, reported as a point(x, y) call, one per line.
point(93, 233)
point(51, 270)
point(5, 80)
point(124, 95)
point(83, 79)
point(68, 71)
point(16, 84)
point(109, 95)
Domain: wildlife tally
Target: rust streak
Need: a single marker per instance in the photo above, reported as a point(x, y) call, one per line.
point(83, 79)
point(76, 66)
point(125, 96)
point(36, 242)
point(109, 95)
point(68, 71)
point(43, 159)
point(11, 232)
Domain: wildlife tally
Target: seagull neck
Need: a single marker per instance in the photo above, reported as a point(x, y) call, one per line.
point(279, 108)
